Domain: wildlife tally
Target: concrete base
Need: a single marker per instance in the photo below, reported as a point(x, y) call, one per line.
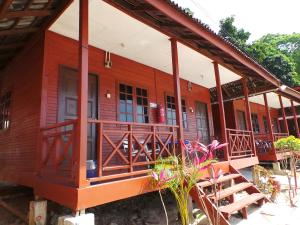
point(86, 219)
point(276, 166)
point(37, 213)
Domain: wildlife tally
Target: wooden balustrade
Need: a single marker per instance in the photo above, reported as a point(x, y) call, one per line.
point(263, 143)
point(129, 149)
point(240, 143)
point(280, 135)
point(58, 142)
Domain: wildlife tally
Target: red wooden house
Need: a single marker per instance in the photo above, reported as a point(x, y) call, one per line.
point(114, 85)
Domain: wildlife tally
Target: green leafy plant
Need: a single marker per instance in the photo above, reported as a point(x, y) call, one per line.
point(180, 177)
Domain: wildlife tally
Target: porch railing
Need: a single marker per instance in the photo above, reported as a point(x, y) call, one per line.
point(240, 143)
point(263, 143)
point(57, 155)
point(129, 149)
point(280, 135)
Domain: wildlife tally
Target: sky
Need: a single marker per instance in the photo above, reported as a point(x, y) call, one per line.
point(259, 17)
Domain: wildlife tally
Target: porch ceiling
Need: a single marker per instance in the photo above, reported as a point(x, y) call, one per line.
point(23, 20)
point(114, 31)
point(273, 100)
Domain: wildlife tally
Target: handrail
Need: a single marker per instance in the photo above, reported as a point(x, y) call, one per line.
point(60, 124)
point(130, 123)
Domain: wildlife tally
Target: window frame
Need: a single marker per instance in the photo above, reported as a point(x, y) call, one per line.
point(134, 101)
point(186, 111)
point(239, 122)
point(5, 107)
point(256, 124)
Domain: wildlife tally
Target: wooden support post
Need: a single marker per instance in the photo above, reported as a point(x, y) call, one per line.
point(82, 94)
point(177, 95)
point(295, 119)
point(285, 124)
point(269, 121)
point(248, 112)
point(221, 110)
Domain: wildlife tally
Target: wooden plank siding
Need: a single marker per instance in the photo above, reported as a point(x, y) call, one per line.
point(19, 142)
point(62, 51)
point(255, 109)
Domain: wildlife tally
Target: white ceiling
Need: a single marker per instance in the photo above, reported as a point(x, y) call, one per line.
point(273, 100)
point(114, 31)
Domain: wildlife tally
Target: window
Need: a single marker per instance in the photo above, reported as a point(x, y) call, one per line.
point(126, 103)
point(275, 125)
point(241, 120)
point(265, 124)
point(142, 105)
point(171, 111)
point(5, 111)
point(255, 123)
point(130, 97)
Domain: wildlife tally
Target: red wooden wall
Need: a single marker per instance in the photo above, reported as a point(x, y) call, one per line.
point(19, 142)
point(60, 50)
point(255, 109)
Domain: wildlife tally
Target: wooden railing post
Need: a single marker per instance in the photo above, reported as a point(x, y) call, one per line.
point(177, 95)
point(130, 147)
point(269, 121)
point(81, 155)
point(285, 124)
point(295, 119)
point(100, 148)
point(221, 110)
point(248, 113)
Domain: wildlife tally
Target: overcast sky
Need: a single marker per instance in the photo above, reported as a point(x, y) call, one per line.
point(259, 17)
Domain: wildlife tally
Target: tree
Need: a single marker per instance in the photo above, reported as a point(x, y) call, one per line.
point(236, 36)
point(279, 53)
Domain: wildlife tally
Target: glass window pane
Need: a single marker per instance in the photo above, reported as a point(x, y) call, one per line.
point(145, 101)
point(138, 91)
point(139, 100)
point(140, 109)
point(129, 108)
point(122, 88)
point(129, 89)
point(144, 93)
point(122, 107)
point(129, 118)
point(122, 97)
point(123, 117)
point(146, 119)
point(146, 110)
point(140, 119)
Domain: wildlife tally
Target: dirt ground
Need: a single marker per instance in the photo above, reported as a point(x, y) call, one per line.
point(147, 210)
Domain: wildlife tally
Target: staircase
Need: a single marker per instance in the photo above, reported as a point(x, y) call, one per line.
point(223, 204)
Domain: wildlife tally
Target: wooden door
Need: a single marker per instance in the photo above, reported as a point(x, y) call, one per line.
point(202, 123)
point(68, 103)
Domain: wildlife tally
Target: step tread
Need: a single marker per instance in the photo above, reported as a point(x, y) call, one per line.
point(225, 178)
point(231, 190)
point(244, 202)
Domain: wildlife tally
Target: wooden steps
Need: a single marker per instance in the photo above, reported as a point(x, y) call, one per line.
point(223, 179)
point(230, 191)
point(232, 183)
point(242, 204)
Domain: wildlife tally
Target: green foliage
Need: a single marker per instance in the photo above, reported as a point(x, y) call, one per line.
point(238, 37)
point(289, 143)
point(279, 53)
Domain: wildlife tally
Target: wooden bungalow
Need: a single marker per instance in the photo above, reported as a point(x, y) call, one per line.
point(93, 92)
point(272, 109)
